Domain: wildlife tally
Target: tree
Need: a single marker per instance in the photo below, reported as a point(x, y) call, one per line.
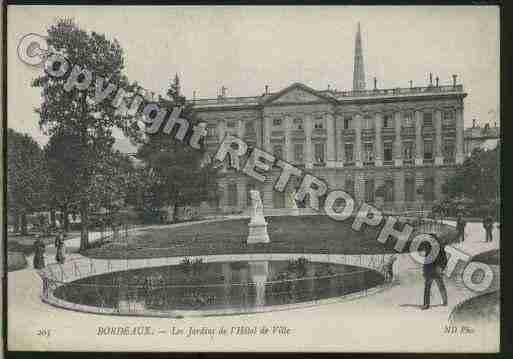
point(62, 152)
point(112, 183)
point(181, 177)
point(477, 179)
point(26, 180)
point(74, 113)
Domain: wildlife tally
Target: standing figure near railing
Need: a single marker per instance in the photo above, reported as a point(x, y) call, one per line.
point(388, 268)
point(460, 227)
point(488, 226)
point(39, 253)
point(59, 246)
point(45, 279)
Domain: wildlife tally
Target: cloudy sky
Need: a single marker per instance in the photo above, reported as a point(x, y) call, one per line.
point(246, 48)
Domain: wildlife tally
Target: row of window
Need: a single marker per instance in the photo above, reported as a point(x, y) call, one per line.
point(387, 191)
point(448, 118)
point(448, 150)
point(298, 123)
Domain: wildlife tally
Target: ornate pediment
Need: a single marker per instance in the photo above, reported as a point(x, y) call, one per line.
point(297, 93)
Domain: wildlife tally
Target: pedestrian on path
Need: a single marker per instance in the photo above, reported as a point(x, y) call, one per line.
point(433, 271)
point(59, 245)
point(39, 253)
point(460, 227)
point(488, 226)
point(388, 268)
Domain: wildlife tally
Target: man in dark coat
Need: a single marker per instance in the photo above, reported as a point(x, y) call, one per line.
point(59, 246)
point(39, 254)
point(488, 226)
point(460, 227)
point(434, 272)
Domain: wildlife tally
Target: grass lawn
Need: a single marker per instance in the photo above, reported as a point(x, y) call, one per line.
point(485, 307)
point(16, 261)
point(289, 234)
point(488, 257)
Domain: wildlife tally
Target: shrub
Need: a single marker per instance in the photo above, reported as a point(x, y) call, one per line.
point(16, 261)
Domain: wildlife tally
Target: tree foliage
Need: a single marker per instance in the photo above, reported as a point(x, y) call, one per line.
point(181, 176)
point(26, 178)
point(477, 179)
point(74, 114)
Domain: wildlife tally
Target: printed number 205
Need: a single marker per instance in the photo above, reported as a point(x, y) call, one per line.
point(43, 333)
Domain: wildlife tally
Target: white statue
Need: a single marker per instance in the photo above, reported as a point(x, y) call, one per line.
point(257, 225)
point(293, 201)
point(257, 215)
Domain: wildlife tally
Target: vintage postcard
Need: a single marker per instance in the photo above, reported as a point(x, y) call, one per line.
point(251, 178)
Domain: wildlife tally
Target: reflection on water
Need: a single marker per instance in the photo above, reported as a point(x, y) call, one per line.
point(192, 286)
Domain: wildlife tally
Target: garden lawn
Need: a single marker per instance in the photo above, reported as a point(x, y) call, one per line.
point(488, 257)
point(289, 234)
point(483, 308)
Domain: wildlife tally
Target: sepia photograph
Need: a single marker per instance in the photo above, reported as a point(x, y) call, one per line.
point(252, 178)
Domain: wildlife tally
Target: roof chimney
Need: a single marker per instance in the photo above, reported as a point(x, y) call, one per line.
point(375, 84)
point(267, 89)
point(436, 79)
point(454, 77)
point(474, 123)
point(430, 79)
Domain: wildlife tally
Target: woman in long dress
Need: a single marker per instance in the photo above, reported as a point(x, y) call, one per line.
point(39, 254)
point(59, 245)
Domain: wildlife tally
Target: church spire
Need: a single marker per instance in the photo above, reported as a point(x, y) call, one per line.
point(359, 72)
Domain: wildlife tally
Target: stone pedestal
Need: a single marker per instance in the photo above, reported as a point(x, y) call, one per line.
point(258, 232)
point(294, 209)
point(259, 271)
point(257, 225)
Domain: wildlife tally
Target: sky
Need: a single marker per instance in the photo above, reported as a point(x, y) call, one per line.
point(246, 48)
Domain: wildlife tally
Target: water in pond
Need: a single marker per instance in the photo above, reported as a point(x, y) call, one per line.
point(223, 285)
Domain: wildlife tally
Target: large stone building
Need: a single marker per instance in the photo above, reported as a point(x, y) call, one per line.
point(391, 147)
point(486, 137)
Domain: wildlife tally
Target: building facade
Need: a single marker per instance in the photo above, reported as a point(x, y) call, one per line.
point(486, 137)
point(393, 148)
